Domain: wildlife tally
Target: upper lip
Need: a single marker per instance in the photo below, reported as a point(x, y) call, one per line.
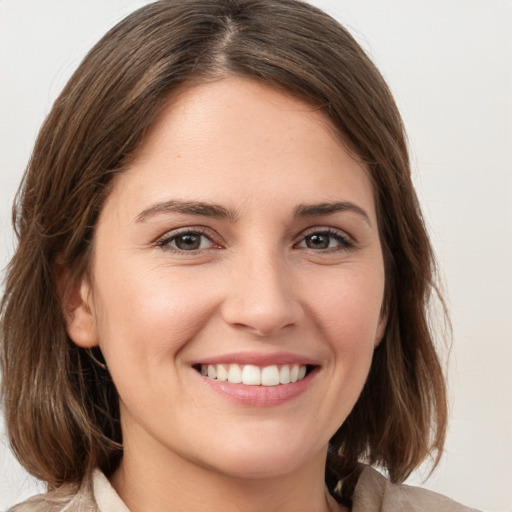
point(258, 359)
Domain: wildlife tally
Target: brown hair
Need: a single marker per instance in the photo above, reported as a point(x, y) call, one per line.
point(61, 407)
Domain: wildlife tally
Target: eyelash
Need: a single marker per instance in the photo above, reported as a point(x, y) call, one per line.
point(343, 241)
point(168, 239)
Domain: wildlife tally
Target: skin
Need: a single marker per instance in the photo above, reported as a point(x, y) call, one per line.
point(258, 282)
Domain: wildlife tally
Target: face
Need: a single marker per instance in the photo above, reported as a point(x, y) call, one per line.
point(236, 283)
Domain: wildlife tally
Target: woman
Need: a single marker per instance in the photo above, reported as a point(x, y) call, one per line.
point(219, 296)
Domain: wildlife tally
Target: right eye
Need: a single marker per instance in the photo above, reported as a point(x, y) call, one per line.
point(186, 241)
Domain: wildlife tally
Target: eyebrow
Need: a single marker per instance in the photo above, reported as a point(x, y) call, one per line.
point(189, 208)
point(217, 211)
point(315, 210)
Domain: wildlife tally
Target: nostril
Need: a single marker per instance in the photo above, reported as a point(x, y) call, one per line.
point(261, 310)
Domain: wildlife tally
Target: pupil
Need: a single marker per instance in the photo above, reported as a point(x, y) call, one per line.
point(317, 241)
point(188, 242)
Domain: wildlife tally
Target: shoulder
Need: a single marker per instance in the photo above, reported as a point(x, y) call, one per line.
point(375, 493)
point(68, 498)
point(94, 494)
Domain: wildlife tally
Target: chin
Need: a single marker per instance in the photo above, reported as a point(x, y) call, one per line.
point(249, 467)
point(268, 457)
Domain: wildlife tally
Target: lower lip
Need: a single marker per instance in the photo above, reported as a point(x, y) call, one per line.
point(260, 396)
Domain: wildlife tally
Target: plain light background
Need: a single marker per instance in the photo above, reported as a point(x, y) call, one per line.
point(449, 64)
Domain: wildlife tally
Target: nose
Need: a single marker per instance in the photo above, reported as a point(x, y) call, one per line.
point(261, 297)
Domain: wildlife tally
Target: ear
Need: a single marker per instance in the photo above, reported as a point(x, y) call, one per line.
point(78, 309)
point(381, 329)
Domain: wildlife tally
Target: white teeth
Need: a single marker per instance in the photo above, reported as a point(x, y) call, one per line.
point(284, 375)
point(252, 375)
point(222, 373)
point(270, 376)
point(234, 374)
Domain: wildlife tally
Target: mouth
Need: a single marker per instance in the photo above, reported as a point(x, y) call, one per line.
point(253, 375)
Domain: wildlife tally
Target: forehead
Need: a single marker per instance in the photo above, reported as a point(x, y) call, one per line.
point(237, 139)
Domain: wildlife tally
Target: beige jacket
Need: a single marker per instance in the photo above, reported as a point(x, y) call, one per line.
point(373, 493)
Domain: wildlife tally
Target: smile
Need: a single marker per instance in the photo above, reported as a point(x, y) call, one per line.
point(252, 375)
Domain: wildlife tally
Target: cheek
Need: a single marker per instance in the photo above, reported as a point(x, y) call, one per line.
point(346, 310)
point(145, 316)
point(348, 306)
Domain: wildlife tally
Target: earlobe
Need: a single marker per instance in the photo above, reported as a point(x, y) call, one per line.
point(381, 329)
point(79, 313)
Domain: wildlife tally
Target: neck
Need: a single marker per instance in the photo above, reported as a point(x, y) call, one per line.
point(158, 480)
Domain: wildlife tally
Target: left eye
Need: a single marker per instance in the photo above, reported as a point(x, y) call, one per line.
point(187, 241)
point(324, 240)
